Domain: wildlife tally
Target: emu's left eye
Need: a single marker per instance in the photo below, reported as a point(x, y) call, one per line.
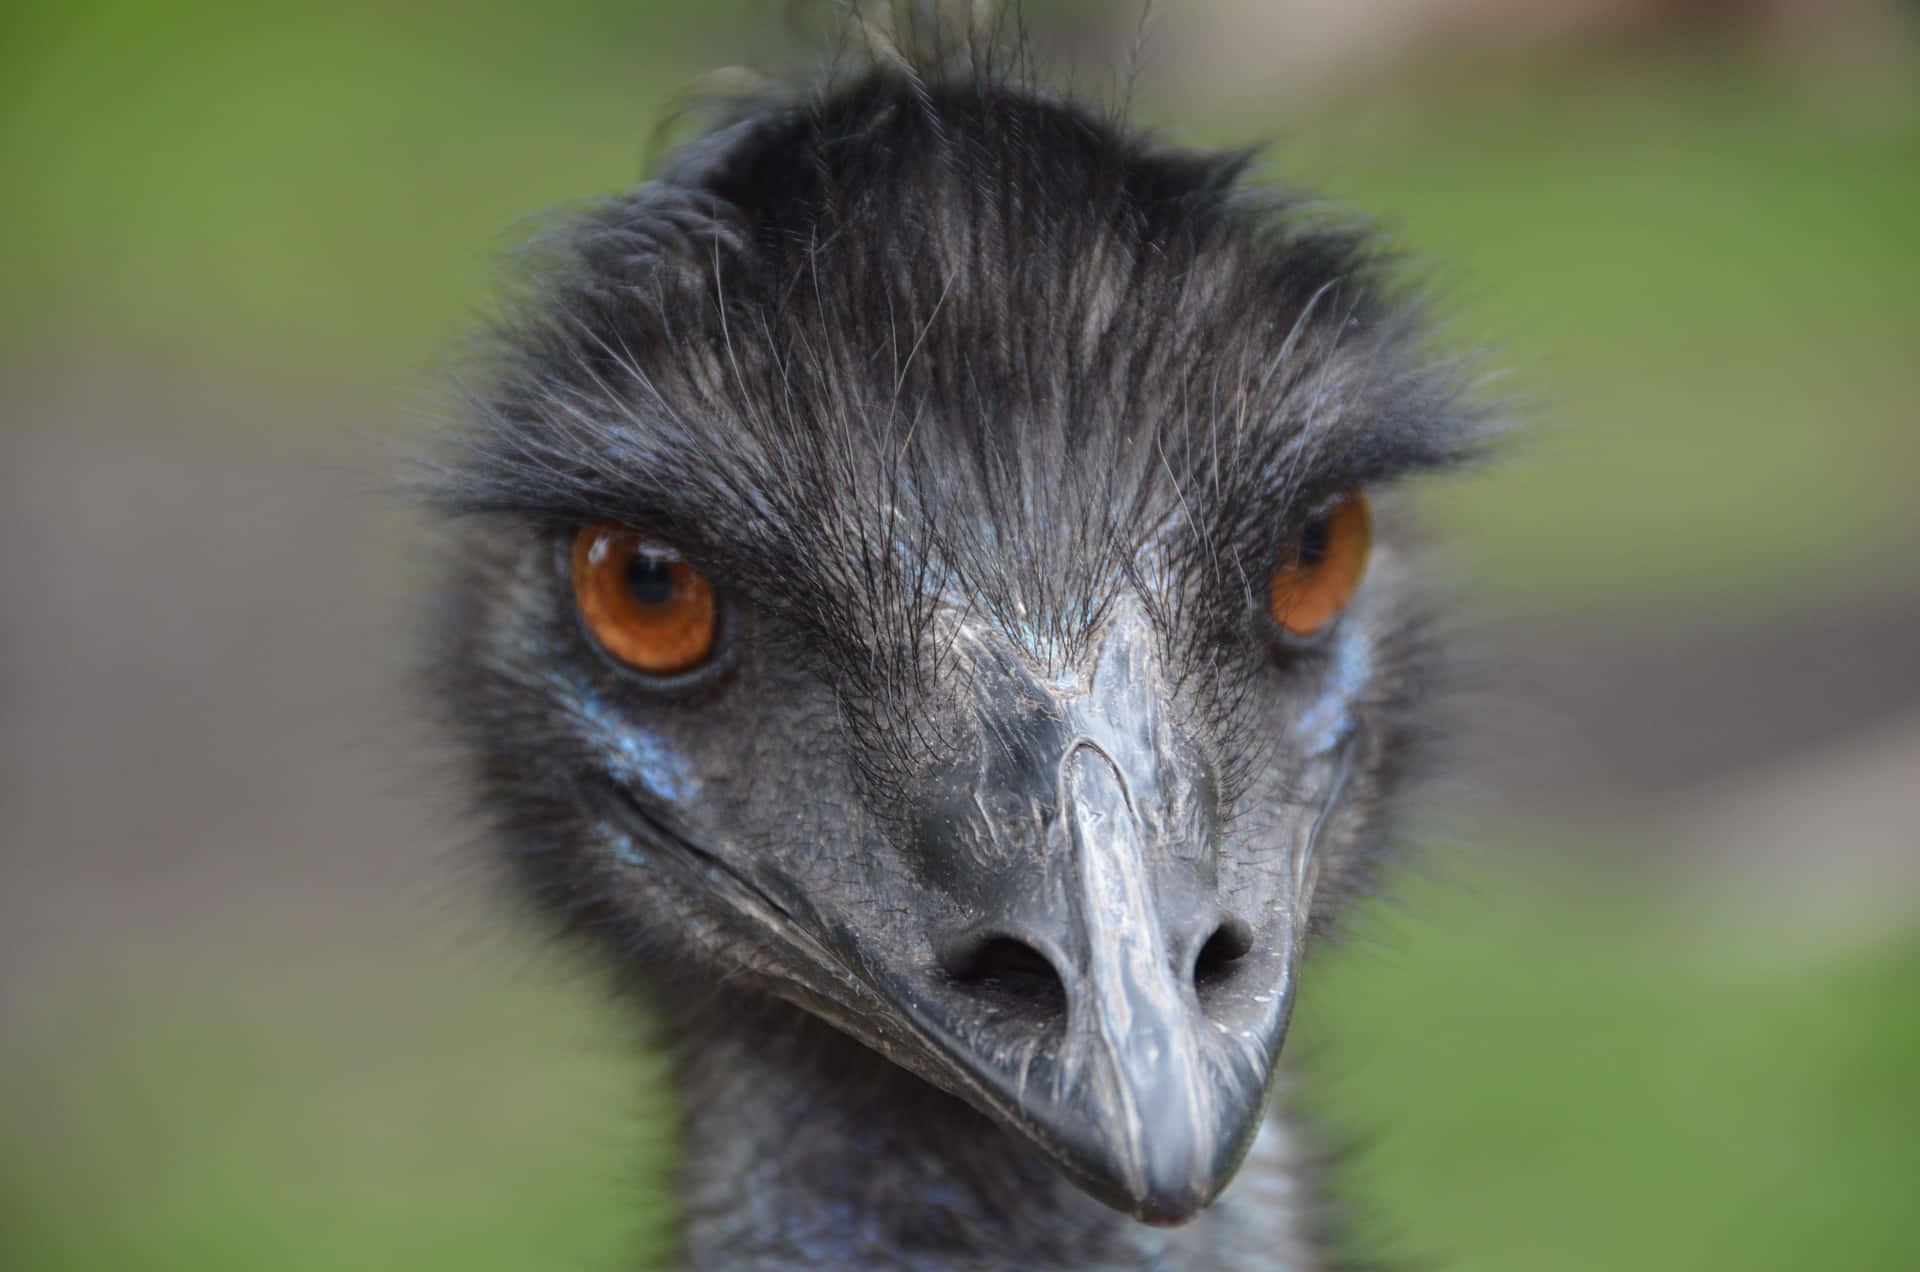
point(644, 604)
point(1316, 579)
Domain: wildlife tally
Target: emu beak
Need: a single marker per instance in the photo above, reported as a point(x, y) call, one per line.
point(1145, 1105)
point(1101, 1000)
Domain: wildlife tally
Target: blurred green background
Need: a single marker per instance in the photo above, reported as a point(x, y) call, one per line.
point(1652, 1002)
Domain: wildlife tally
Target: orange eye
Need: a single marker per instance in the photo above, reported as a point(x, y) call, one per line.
point(645, 606)
point(1323, 567)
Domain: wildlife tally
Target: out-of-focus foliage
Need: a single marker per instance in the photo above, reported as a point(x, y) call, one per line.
point(301, 182)
point(349, 1116)
point(1588, 1086)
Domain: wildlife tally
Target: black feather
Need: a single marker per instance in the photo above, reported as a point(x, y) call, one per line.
point(930, 342)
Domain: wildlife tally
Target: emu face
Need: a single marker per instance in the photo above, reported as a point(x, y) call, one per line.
point(985, 452)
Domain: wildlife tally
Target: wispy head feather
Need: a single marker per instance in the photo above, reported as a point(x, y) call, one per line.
point(929, 333)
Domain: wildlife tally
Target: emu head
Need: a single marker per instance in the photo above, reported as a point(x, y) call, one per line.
point(912, 568)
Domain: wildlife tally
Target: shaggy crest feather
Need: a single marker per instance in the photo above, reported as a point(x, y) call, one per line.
point(922, 339)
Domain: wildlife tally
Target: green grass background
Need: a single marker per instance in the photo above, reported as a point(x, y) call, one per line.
point(1703, 266)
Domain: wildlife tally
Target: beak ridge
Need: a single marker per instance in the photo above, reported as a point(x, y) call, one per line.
point(1135, 1031)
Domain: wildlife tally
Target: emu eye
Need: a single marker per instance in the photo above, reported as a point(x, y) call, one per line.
point(645, 605)
point(1316, 579)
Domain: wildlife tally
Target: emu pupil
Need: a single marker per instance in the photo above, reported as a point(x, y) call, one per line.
point(1314, 541)
point(650, 579)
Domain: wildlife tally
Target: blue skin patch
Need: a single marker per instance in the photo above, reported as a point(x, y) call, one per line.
point(624, 850)
point(1326, 724)
point(637, 756)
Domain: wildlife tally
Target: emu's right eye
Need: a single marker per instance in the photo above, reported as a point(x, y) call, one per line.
point(1316, 579)
point(643, 603)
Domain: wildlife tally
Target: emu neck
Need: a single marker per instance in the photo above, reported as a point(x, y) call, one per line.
point(803, 1149)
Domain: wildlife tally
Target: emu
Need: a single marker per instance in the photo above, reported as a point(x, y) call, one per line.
point(922, 605)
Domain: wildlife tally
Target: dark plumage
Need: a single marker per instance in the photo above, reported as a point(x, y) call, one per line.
point(989, 422)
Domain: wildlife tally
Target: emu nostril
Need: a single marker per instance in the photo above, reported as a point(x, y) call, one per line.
point(1230, 942)
point(1009, 966)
